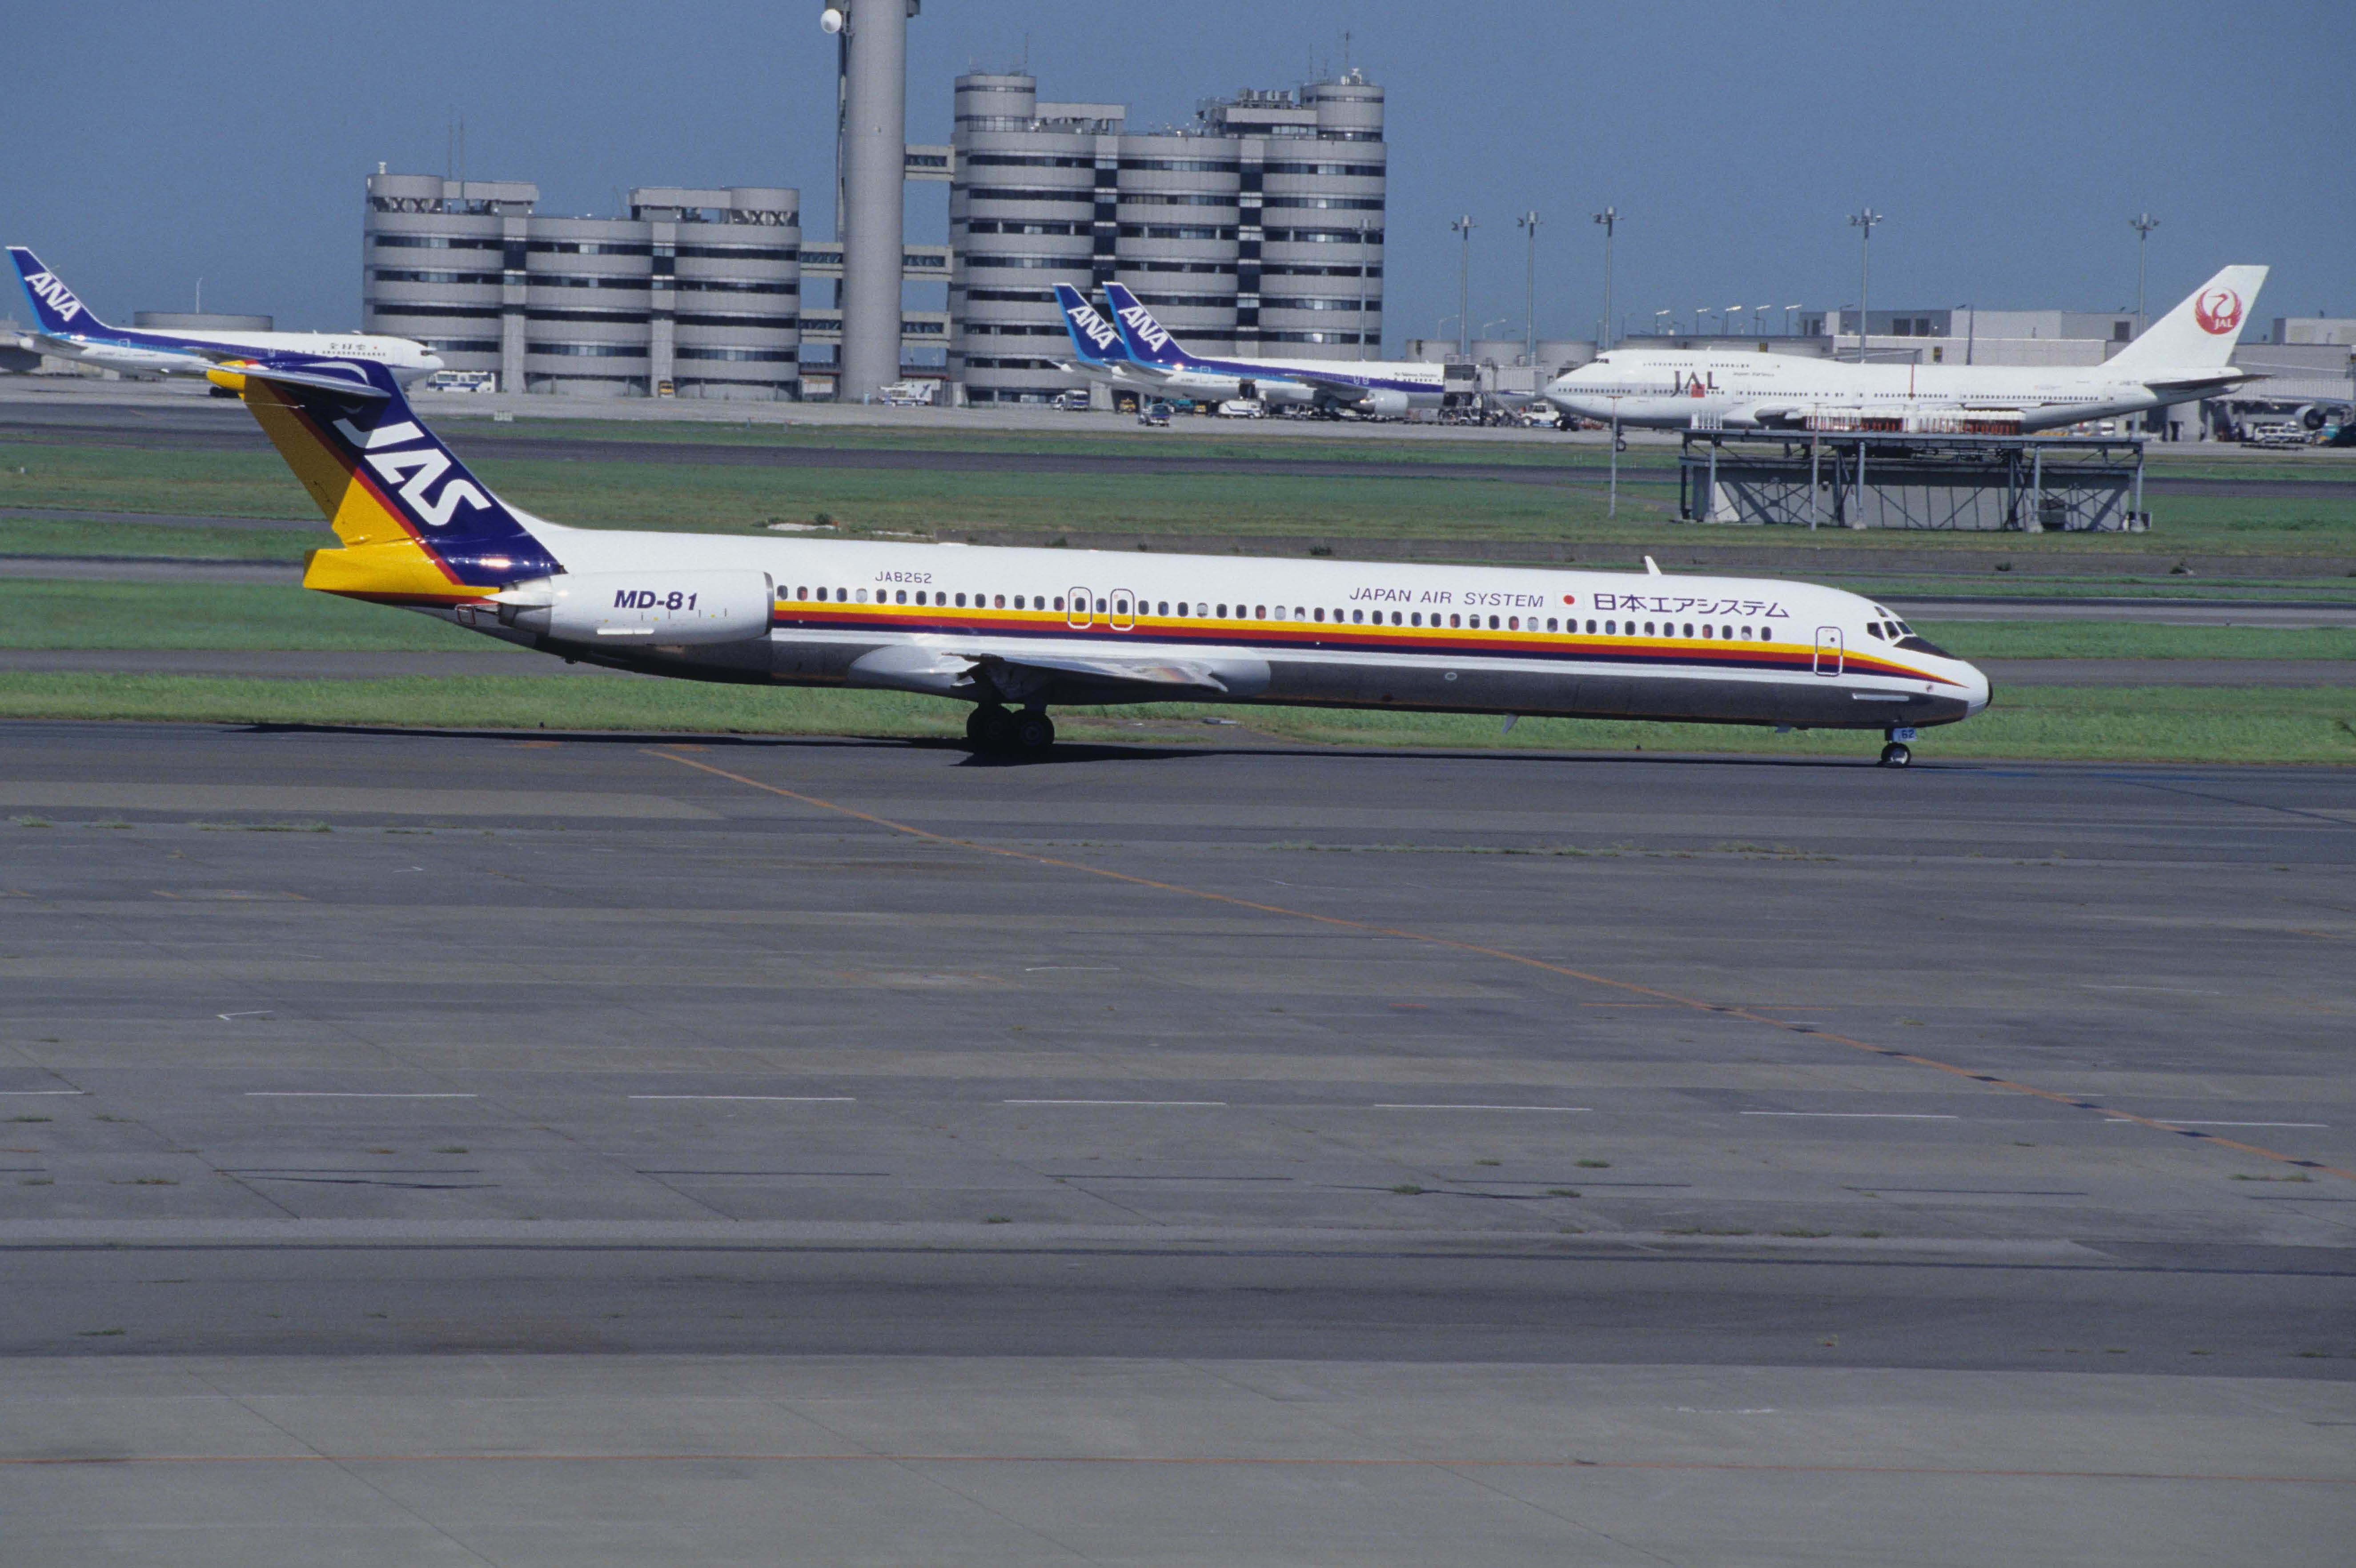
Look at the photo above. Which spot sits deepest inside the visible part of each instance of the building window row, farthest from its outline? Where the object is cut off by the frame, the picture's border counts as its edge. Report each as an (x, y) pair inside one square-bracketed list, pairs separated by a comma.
[(1312, 337), (977, 362), (1172, 198), (1283, 269), (1271, 302), (1008, 192), (613, 317), (1012, 296), (765, 323), (1024, 160), (1349, 203), (1172, 231), (1370, 236), (488, 312), (1183, 165), (1189, 302), (407, 275), (576, 281), (1130, 266), (1359, 171), (434, 242), (1060, 263), (763, 356), (743, 252), (1010, 329), (734, 286), (591, 350), (459, 345), (589, 247), (1022, 226)]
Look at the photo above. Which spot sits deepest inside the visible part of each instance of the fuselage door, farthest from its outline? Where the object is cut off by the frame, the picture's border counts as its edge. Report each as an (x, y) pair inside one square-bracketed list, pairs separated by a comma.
[(1829, 650), (1079, 615), (1124, 611)]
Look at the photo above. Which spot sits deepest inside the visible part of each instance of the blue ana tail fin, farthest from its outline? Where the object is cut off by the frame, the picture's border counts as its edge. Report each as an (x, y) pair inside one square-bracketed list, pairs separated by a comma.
[(55, 309), (1093, 338), (416, 525), (1148, 340)]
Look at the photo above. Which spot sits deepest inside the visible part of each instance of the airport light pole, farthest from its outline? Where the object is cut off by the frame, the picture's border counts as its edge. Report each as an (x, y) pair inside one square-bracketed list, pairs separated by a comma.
[(1610, 218), (1671, 328), (1789, 312), (2143, 223), (1733, 314), (1463, 226), (1529, 221), (1863, 221)]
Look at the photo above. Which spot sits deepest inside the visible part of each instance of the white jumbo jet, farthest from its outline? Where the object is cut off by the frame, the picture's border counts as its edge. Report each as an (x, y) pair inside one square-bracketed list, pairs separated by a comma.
[(2183, 357), (70, 330), (1011, 631)]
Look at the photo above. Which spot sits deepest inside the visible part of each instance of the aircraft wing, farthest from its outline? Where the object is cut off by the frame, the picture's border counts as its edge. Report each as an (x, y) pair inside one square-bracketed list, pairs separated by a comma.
[(330, 376), (945, 670), (2220, 380)]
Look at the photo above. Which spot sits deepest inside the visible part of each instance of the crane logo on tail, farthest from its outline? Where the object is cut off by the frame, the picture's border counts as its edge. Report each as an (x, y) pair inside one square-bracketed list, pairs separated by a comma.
[(2219, 312)]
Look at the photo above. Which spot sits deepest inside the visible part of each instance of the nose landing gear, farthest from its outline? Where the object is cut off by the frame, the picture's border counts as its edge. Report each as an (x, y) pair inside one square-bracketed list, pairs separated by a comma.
[(992, 729), (1895, 754)]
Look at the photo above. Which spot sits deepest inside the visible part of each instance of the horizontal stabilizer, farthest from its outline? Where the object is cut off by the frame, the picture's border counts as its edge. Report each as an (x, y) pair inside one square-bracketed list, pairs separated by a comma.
[(321, 376)]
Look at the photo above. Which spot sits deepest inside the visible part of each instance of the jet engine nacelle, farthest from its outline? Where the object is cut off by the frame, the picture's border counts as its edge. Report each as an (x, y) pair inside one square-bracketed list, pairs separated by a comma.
[(624, 608), (1383, 401), (2315, 416)]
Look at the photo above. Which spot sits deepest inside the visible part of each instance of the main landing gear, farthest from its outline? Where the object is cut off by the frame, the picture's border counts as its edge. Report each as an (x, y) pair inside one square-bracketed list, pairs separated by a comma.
[(990, 728), (1895, 754)]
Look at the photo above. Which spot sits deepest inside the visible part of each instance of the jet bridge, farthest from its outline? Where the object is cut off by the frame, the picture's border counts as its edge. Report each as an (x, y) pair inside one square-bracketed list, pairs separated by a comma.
[(2035, 484)]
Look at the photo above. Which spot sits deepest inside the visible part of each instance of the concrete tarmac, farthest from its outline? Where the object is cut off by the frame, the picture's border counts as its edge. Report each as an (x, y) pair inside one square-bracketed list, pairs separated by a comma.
[(523, 1147)]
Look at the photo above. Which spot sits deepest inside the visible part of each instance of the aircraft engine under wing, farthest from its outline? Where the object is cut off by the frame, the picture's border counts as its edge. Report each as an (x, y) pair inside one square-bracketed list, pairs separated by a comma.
[(1059, 677)]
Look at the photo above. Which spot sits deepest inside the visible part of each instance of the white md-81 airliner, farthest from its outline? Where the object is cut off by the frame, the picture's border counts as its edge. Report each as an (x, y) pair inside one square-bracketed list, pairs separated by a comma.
[(70, 330), (2182, 357), (1014, 631)]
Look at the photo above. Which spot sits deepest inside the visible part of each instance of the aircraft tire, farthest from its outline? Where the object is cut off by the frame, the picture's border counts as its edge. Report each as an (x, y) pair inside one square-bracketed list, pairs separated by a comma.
[(1896, 755), (1033, 733), (990, 728)]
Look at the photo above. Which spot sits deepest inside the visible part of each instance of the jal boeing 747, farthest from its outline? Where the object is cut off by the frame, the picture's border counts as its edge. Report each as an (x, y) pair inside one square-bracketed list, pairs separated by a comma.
[(1011, 632), (71, 330), (2183, 357)]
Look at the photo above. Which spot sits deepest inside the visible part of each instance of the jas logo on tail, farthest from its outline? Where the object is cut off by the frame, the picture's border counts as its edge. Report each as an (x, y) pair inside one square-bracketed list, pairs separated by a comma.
[(420, 466), (1141, 321), (50, 292), (2218, 311)]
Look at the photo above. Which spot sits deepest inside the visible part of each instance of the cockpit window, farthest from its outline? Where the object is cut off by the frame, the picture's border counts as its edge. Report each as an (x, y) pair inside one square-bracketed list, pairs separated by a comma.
[(1914, 645)]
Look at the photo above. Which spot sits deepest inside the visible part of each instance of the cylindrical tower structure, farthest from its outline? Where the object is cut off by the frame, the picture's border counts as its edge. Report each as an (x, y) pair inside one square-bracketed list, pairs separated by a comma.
[(874, 156)]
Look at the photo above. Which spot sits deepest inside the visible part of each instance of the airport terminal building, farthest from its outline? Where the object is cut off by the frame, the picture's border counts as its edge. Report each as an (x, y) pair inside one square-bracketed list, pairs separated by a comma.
[(696, 291), (1257, 228)]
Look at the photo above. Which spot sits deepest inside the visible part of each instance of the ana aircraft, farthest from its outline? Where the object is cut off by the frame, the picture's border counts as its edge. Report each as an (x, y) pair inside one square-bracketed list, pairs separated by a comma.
[(1328, 386), (2183, 357), (1097, 350), (71, 330), (1012, 631)]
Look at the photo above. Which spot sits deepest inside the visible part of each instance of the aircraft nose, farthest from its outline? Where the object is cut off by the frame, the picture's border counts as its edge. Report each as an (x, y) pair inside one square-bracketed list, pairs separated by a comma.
[(1978, 691), (430, 362)]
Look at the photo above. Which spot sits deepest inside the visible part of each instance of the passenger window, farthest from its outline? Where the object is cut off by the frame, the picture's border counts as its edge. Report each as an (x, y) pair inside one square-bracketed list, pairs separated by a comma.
[(1260, 611), (1100, 606), (1454, 621), (1512, 623), (1705, 632), (1417, 618), (1223, 611), (1358, 616), (1725, 633), (1493, 623), (1648, 628), (1590, 628), (1397, 619), (1318, 614), (1001, 602), (802, 592), (1550, 623), (1688, 628), (1059, 603), (1163, 608)]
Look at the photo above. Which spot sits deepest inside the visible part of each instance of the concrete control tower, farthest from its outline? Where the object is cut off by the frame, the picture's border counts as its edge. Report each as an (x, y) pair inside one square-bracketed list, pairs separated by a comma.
[(873, 148)]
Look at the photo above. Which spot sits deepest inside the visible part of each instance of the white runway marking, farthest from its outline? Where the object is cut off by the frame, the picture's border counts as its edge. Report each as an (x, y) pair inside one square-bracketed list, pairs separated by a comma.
[(348, 1094), (1864, 1116), (1565, 1110), (44, 1091), (1112, 1102), (2180, 1122), (775, 1099)]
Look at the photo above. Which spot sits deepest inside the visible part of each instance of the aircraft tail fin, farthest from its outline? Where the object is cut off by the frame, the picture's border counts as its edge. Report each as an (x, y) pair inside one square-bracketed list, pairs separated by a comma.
[(1147, 339), (55, 309), (1093, 338), (2201, 333), (416, 525)]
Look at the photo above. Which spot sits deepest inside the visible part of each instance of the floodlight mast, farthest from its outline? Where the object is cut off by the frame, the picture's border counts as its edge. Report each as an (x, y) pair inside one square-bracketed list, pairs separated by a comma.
[(1529, 221), (1610, 218), (2143, 223), (1863, 221), (1463, 226)]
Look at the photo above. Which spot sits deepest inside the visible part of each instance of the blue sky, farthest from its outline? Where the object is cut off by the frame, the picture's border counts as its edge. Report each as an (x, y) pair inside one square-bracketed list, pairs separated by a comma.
[(2008, 144)]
